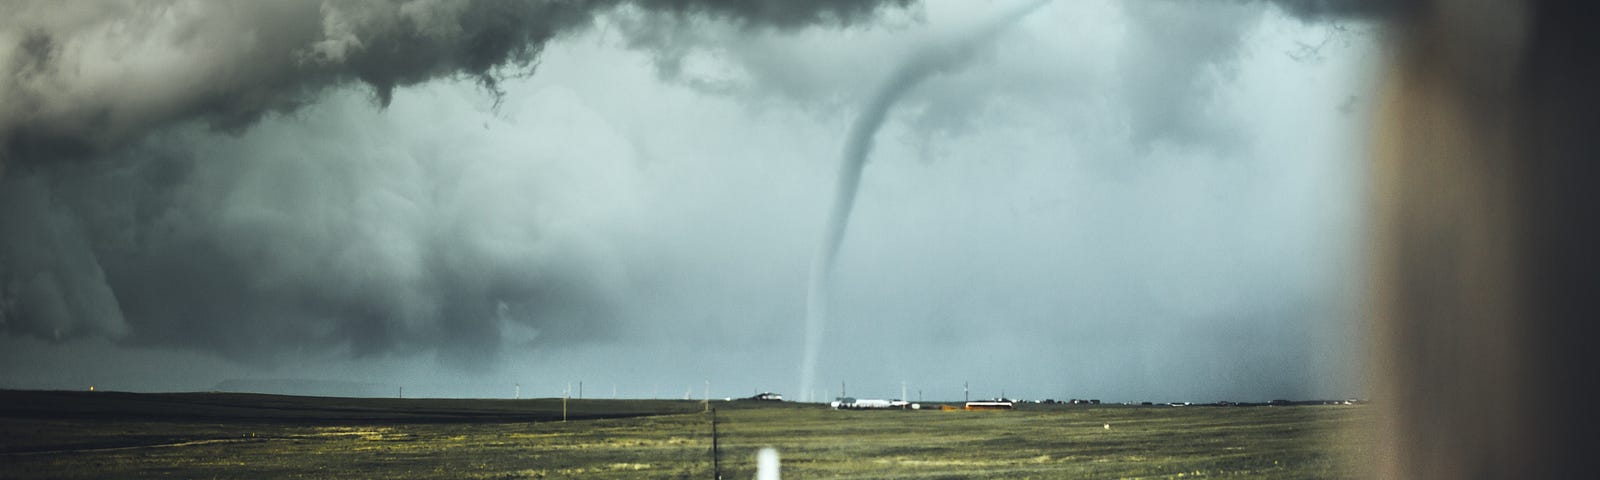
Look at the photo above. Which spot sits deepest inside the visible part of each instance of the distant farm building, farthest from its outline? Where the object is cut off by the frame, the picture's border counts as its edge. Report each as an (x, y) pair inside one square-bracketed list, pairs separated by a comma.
[(989, 405)]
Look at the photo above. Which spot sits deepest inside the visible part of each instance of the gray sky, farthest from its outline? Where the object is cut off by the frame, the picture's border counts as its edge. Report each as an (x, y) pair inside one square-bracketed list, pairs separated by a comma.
[(1117, 200)]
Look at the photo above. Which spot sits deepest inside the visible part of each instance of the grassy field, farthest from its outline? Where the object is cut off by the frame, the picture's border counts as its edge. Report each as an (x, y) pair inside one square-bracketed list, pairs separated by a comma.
[(107, 435)]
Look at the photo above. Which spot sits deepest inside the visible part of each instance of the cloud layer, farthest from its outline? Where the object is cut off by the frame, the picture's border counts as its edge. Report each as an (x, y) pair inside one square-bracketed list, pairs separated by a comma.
[(183, 242), (87, 78), (1136, 199)]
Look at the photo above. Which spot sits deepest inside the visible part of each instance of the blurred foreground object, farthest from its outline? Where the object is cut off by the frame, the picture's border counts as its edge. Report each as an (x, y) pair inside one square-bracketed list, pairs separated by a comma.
[(1485, 249), (767, 464)]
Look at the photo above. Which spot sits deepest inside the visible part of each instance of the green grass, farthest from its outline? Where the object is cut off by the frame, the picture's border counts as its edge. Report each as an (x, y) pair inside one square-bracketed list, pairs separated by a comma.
[(80, 435)]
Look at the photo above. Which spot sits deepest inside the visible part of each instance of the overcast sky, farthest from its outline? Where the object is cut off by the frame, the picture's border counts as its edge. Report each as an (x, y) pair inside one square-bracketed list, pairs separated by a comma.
[(1128, 201)]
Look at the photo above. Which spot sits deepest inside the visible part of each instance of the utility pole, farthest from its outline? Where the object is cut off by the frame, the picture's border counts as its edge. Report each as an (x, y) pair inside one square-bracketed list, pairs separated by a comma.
[(903, 391), (580, 389), (519, 392), (708, 399), (966, 393), (402, 392), (564, 394)]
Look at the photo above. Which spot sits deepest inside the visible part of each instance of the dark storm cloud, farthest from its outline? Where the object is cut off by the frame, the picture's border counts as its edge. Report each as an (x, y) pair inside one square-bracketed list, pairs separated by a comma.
[(256, 257), (776, 13), (1345, 9), (53, 288), (155, 234), (88, 77), (91, 77)]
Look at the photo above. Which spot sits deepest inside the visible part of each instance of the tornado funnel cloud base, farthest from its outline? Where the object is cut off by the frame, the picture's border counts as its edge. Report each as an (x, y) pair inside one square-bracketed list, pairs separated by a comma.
[(931, 58)]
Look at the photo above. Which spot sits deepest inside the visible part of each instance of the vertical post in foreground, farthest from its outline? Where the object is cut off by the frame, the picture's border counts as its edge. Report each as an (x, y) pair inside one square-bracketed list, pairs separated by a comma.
[(716, 454), (767, 464)]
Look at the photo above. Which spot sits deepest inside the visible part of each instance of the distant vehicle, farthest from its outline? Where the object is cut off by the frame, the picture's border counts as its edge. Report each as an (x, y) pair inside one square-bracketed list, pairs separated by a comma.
[(870, 403), (851, 403), (1278, 403), (767, 397), (996, 404)]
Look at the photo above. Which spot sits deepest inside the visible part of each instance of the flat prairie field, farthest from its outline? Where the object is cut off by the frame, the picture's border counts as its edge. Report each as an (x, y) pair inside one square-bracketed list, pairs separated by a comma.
[(245, 436)]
